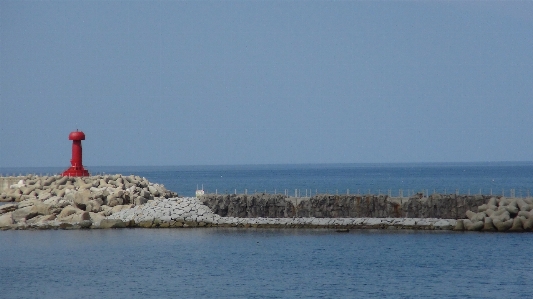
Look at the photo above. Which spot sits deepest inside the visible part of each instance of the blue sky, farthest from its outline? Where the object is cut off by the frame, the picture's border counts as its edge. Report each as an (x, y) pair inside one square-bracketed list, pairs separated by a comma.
[(259, 82)]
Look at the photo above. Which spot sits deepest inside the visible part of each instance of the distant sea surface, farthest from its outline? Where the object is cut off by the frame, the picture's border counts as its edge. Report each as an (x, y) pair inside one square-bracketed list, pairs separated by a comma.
[(464, 178), (263, 263), (280, 263)]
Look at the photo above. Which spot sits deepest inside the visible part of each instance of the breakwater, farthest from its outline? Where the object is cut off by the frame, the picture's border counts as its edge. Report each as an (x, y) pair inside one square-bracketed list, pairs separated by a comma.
[(116, 201), (448, 206)]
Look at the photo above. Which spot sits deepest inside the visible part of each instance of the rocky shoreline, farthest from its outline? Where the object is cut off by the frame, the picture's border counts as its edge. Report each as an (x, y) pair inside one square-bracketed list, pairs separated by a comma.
[(116, 201)]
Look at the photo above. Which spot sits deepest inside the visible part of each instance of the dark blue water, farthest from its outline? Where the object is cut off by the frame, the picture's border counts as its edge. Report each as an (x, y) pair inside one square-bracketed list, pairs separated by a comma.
[(464, 178), (263, 263), (291, 263)]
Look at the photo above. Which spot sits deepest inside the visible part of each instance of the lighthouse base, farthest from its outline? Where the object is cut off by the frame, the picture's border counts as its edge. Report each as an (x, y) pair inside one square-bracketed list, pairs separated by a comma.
[(76, 171)]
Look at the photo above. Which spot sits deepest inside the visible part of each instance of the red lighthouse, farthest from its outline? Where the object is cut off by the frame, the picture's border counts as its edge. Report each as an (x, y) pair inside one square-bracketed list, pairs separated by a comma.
[(77, 167)]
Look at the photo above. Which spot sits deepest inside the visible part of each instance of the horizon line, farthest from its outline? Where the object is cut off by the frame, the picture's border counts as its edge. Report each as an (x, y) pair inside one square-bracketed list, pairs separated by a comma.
[(290, 164)]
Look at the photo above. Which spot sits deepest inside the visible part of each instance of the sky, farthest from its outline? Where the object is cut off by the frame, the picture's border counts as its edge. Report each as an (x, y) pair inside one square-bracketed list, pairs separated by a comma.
[(265, 82)]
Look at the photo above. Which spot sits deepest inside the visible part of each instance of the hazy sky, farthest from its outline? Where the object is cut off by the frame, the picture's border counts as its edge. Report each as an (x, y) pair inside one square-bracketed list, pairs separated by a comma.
[(255, 82)]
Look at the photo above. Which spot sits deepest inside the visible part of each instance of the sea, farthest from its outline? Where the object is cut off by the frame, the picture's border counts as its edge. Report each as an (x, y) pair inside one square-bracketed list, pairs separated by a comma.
[(280, 263)]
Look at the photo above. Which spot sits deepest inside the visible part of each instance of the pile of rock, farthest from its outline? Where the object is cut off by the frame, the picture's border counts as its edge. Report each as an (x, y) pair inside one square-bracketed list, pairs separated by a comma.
[(190, 212), (500, 214), (169, 212), (116, 201), (51, 201)]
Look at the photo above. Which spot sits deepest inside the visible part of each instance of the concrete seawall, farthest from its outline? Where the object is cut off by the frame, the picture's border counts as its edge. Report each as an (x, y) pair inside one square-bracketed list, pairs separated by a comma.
[(449, 206)]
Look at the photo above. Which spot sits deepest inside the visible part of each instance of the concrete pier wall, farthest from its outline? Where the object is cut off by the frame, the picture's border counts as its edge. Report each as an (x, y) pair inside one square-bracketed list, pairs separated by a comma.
[(448, 206)]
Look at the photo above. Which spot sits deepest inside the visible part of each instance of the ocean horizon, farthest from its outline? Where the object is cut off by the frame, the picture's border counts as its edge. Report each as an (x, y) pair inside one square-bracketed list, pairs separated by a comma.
[(499, 178)]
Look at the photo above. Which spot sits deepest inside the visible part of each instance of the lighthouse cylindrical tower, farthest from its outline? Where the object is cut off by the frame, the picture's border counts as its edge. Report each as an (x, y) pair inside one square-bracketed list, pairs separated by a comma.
[(76, 168)]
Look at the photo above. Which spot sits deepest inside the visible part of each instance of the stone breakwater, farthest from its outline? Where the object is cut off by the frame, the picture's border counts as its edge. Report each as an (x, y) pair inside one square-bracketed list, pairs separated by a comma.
[(449, 206), (190, 212), (117, 201), (472, 213), (500, 214), (56, 201)]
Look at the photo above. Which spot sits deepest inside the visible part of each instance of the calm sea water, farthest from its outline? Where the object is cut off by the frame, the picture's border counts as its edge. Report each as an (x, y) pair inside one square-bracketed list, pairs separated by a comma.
[(263, 263), (269, 263), (473, 178)]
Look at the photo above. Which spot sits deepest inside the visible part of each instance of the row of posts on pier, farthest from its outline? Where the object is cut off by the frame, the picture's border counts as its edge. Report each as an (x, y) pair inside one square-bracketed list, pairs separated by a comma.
[(401, 193)]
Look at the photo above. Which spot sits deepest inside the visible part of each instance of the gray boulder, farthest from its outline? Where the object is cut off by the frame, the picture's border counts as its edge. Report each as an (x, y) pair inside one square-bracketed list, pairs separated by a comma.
[(112, 201), (502, 226), (502, 215), (488, 226), (153, 190), (24, 214), (503, 202), (145, 193), (68, 210), (475, 217), (528, 224), (82, 198), (140, 200), (459, 225), (6, 219), (44, 196), (112, 223), (525, 214), (85, 216), (45, 209), (473, 226), (517, 225), (512, 208), (482, 208), (8, 208), (93, 206), (85, 224), (522, 205)]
